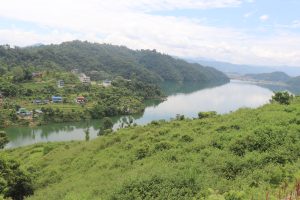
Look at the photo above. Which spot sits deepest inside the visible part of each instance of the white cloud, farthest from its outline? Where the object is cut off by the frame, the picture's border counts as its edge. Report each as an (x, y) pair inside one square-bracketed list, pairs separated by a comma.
[(130, 23), (264, 18)]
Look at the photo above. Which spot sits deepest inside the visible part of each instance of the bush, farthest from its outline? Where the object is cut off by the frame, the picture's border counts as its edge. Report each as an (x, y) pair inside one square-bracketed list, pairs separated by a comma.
[(282, 97), (3, 139), (107, 123), (234, 195), (161, 146), (202, 115), (186, 138), (158, 188), (14, 182), (142, 152)]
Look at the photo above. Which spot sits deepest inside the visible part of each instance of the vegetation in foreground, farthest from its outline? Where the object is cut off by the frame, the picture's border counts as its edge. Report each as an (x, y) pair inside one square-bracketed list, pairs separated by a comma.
[(248, 154)]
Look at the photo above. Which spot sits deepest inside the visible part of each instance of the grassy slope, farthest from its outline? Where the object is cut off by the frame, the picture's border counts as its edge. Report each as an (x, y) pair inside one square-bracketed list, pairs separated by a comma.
[(176, 160)]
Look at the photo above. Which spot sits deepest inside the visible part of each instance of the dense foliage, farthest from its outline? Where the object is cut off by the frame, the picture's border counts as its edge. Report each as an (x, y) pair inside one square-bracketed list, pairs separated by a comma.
[(102, 61), (15, 183), (238, 156), (282, 97), (3, 139)]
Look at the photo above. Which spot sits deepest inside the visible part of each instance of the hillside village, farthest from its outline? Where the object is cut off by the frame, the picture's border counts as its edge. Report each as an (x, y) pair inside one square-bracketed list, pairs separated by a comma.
[(70, 96), (83, 78)]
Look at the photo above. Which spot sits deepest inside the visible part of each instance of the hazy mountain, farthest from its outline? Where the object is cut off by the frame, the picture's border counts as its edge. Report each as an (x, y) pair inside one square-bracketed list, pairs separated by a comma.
[(246, 69), (273, 76)]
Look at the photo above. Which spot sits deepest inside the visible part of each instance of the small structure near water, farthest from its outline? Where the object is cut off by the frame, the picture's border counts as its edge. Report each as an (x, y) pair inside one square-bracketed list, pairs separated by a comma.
[(57, 99), (40, 102), (106, 83), (84, 79), (60, 84), (37, 75), (80, 100), (24, 112)]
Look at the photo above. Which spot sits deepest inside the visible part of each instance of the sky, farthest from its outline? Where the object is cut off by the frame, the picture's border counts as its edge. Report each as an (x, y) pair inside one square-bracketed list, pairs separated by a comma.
[(258, 32)]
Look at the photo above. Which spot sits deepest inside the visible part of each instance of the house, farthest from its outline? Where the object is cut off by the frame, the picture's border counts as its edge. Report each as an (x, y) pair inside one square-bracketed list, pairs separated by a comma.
[(37, 75), (84, 78), (39, 112), (40, 102), (106, 83), (60, 84), (37, 101), (24, 112), (57, 99), (80, 100)]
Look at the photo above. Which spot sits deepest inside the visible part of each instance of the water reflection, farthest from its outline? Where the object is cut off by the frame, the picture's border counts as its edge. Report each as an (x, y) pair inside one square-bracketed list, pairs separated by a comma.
[(186, 99)]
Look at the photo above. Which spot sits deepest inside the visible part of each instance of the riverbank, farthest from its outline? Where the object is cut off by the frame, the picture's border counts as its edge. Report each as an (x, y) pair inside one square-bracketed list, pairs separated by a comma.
[(222, 99)]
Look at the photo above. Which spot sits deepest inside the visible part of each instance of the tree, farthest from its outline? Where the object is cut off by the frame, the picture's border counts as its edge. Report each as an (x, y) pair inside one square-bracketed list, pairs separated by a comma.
[(107, 123), (3, 139), (14, 182), (282, 97)]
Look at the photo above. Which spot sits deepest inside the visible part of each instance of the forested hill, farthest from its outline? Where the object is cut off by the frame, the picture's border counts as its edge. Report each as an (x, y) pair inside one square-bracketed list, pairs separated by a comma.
[(274, 76), (102, 61)]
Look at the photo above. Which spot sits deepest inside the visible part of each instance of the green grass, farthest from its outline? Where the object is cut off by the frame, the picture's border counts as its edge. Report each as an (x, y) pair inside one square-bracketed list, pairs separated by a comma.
[(241, 155)]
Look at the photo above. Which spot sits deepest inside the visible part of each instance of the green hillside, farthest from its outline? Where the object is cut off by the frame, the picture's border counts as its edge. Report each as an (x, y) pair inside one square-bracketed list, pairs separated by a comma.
[(274, 76), (241, 155), (104, 61), (294, 84), (289, 83)]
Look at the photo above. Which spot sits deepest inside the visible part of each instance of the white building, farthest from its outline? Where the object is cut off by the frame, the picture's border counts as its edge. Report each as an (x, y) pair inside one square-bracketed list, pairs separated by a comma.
[(60, 84), (84, 78)]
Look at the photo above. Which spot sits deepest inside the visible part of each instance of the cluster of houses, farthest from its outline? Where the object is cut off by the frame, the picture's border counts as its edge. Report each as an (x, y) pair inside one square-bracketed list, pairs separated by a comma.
[(84, 79), (23, 112), (58, 99)]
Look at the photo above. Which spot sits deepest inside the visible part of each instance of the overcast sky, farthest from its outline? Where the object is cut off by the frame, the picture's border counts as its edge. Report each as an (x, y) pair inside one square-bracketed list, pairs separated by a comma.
[(264, 32)]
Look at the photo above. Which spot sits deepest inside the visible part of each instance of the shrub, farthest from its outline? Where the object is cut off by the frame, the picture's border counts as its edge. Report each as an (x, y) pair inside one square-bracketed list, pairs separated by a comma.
[(163, 146), (282, 97), (234, 195), (186, 138), (158, 188), (107, 123), (142, 152), (3, 139), (202, 115), (14, 182)]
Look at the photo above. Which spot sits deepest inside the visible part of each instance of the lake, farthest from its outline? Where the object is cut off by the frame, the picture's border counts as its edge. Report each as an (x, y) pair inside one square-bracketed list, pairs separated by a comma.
[(184, 99)]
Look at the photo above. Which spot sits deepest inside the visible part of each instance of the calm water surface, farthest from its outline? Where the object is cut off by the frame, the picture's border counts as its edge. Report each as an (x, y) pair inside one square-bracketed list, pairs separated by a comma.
[(186, 99)]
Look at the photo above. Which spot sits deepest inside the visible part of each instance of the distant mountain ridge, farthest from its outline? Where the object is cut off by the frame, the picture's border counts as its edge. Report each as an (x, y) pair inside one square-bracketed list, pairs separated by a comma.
[(102, 61), (273, 76), (247, 69)]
